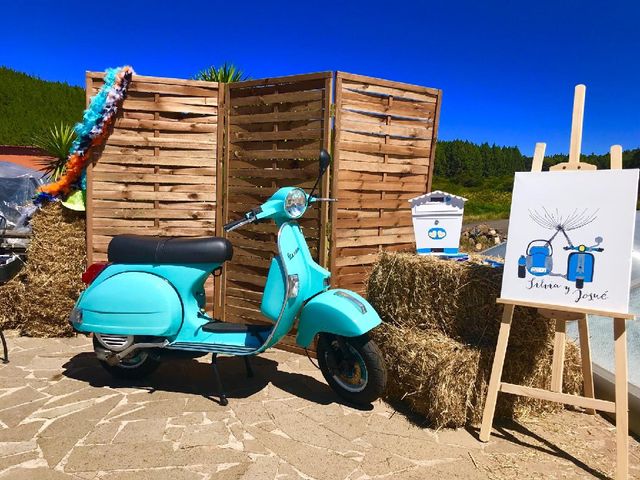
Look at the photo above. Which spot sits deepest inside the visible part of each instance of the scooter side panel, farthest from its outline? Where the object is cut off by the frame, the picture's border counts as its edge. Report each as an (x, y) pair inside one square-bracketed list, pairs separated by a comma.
[(274, 290), (338, 311), (131, 303)]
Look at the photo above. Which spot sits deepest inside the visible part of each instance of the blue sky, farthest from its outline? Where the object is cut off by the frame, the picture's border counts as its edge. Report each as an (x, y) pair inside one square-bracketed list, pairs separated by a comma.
[(507, 69)]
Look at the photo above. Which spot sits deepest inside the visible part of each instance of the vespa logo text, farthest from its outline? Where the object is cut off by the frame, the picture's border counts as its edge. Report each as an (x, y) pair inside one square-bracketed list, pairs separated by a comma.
[(295, 252)]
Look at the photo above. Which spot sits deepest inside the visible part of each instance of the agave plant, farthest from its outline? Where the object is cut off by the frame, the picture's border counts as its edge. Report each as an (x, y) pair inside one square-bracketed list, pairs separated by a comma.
[(57, 143), (226, 73)]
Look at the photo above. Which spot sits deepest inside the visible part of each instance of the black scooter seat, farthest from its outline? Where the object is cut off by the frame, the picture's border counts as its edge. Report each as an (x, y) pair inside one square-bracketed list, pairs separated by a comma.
[(140, 249)]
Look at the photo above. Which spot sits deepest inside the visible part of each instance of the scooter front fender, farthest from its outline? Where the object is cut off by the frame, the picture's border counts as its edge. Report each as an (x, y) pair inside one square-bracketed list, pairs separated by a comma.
[(339, 311)]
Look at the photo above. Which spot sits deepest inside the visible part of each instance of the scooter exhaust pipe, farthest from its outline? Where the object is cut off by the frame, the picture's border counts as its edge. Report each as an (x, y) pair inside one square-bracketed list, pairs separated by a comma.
[(114, 358)]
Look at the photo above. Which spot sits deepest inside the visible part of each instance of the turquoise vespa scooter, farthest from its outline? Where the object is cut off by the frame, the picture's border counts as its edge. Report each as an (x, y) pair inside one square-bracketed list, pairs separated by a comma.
[(147, 304)]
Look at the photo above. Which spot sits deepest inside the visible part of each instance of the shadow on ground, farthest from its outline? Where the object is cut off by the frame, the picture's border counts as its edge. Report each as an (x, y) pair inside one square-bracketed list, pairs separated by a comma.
[(193, 377), (507, 429)]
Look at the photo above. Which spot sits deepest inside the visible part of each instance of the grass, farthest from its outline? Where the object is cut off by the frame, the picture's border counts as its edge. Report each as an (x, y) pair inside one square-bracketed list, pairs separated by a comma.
[(488, 198)]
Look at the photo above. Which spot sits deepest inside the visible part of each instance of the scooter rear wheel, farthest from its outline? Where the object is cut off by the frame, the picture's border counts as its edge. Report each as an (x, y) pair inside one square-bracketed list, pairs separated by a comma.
[(353, 367), (136, 367)]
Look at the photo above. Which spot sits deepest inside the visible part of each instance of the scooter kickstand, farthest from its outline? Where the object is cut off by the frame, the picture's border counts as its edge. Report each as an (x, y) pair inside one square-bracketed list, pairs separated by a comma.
[(216, 377), (247, 364)]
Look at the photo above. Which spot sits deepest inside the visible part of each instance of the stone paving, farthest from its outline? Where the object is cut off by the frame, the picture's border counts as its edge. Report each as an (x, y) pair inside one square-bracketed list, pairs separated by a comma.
[(63, 417)]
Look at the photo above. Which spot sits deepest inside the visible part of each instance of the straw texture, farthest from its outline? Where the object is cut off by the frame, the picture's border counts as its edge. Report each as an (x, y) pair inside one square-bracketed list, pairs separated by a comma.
[(439, 334), (38, 301)]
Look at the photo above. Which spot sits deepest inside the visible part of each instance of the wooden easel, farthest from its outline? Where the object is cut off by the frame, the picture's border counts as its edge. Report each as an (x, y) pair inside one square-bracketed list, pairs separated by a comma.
[(561, 315)]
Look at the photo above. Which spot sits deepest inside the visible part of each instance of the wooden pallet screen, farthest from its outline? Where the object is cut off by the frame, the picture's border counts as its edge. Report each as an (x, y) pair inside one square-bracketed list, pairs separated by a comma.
[(182, 150), (385, 134), (157, 172), (276, 128)]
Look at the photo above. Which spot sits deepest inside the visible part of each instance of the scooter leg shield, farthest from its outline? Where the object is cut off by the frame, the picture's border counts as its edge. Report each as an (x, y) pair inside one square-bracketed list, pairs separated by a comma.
[(338, 311), (130, 303)]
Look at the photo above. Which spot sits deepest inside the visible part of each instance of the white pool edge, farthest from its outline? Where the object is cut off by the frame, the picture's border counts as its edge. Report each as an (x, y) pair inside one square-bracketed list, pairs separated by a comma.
[(604, 383)]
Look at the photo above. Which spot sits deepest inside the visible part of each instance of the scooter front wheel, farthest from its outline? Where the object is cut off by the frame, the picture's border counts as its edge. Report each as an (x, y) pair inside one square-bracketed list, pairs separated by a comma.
[(353, 367), (134, 367)]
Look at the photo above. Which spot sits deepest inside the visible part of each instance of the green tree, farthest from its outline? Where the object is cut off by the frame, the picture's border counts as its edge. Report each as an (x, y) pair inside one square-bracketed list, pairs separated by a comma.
[(29, 106)]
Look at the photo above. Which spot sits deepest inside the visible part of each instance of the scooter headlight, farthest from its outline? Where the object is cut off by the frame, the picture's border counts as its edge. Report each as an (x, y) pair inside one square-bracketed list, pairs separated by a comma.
[(295, 203)]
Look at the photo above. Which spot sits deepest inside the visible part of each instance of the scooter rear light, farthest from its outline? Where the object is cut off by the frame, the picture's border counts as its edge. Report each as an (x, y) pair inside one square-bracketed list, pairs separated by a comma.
[(93, 271)]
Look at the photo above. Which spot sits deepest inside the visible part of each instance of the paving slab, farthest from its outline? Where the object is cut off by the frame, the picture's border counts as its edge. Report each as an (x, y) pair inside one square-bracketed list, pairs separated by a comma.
[(63, 417)]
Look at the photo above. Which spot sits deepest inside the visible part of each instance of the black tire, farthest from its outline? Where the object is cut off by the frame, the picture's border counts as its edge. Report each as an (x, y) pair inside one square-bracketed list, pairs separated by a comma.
[(332, 362), (522, 271), (579, 283), (135, 368)]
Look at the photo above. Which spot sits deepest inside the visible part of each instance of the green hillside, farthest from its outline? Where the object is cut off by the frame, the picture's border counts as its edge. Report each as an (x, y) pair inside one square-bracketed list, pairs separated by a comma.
[(29, 105), (484, 173)]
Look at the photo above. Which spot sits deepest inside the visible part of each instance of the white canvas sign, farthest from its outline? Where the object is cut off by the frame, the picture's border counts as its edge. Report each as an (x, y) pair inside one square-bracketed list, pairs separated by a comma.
[(571, 238)]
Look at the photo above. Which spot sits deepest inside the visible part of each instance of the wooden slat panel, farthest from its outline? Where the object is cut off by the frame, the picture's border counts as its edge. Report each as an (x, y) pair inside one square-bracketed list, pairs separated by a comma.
[(276, 131), (384, 149), (160, 161), (422, 131), (152, 178), (244, 136), (140, 141), (98, 76), (168, 106), (275, 117), (283, 98), (385, 133), (370, 103), (174, 126), (392, 87), (157, 172)]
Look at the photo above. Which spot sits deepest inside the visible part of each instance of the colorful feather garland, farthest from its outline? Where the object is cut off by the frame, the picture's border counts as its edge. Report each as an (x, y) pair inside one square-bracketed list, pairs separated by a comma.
[(97, 121)]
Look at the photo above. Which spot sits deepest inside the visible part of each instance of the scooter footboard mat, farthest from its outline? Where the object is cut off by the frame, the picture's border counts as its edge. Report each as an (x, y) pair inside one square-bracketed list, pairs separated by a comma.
[(212, 348), (226, 327)]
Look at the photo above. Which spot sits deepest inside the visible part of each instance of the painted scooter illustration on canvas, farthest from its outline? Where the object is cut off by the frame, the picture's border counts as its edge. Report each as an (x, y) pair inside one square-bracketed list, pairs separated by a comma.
[(538, 259)]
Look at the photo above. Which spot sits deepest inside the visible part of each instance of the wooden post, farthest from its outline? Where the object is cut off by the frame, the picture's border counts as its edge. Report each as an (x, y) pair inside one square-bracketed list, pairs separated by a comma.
[(89, 193), (226, 164), (557, 366), (434, 141), (334, 179), (576, 124), (616, 156), (585, 358), (496, 373), (324, 186), (538, 157), (218, 283), (622, 398)]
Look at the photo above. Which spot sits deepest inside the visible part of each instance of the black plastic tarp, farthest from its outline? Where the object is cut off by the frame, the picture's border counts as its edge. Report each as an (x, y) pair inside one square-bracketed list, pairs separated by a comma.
[(18, 186)]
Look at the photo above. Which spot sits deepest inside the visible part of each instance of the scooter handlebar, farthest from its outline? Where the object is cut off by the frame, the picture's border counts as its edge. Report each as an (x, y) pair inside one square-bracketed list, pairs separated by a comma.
[(322, 199), (588, 249), (229, 227)]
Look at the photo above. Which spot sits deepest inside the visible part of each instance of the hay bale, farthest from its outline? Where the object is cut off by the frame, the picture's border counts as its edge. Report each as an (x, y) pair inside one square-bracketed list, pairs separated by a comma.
[(37, 302), (439, 336)]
